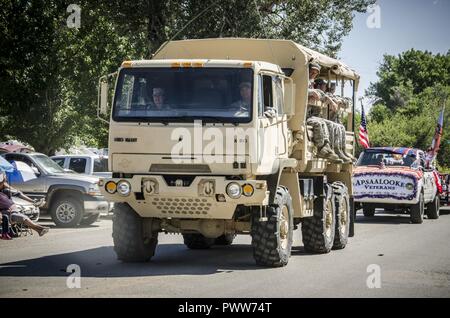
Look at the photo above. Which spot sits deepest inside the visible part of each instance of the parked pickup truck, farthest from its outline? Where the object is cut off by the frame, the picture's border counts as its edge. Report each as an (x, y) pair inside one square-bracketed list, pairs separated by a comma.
[(71, 199), (86, 164), (396, 178)]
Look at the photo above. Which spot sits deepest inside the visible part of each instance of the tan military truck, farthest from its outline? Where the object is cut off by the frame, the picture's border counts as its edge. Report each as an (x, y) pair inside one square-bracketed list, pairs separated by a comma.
[(209, 139)]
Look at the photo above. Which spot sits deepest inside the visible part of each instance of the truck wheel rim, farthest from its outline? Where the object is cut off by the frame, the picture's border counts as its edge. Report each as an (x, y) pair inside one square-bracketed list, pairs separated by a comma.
[(284, 227), (343, 219), (65, 212), (328, 219)]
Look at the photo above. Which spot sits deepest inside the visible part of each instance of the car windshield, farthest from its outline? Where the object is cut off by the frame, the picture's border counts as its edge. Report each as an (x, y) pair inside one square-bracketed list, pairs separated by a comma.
[(48, 164), (388, 158), (184, 94)]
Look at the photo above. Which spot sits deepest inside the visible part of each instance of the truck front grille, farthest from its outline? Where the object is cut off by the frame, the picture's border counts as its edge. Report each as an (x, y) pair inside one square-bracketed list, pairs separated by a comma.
[(179, 206)]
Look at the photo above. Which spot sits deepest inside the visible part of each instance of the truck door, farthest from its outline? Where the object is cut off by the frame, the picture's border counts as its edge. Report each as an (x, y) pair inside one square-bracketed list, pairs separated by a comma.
[(272, 127), (267, 125), (429, 186)]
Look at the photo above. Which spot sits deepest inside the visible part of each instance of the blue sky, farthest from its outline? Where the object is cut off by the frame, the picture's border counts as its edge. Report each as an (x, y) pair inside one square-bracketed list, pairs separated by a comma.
[(404, 24)]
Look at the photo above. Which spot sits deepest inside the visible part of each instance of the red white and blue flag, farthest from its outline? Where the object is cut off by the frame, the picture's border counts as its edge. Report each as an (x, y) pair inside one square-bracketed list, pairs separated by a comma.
[(363, 133)]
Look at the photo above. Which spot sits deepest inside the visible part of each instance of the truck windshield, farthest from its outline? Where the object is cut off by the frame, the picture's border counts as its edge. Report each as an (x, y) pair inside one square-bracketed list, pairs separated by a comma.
[(184, 95), (376, 157)]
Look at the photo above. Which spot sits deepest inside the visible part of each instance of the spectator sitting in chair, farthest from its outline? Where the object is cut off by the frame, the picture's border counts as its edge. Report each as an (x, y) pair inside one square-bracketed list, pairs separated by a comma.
[(8, 208)]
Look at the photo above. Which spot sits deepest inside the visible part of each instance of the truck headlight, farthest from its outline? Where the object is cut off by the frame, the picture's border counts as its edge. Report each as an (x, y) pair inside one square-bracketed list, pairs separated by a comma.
[(234, 190), (123, 188)]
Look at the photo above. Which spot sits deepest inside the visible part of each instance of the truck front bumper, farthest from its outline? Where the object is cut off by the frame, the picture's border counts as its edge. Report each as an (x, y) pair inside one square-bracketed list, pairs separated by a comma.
[(204, 197)]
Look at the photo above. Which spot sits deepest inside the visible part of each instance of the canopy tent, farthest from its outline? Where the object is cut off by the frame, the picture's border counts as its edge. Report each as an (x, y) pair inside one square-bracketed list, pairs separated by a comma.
[(21, 172)]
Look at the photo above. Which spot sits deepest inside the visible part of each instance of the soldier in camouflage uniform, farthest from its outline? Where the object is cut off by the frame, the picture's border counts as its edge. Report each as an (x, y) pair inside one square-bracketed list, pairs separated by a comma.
[(328, 136), (342, 104), (321, 133)]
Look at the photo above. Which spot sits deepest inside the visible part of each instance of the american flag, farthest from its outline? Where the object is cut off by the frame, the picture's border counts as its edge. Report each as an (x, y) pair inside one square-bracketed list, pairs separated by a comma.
[(363, 133)]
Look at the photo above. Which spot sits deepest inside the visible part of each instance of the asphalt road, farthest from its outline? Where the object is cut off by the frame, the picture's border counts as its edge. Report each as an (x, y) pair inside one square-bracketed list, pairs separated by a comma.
[(414, 260)]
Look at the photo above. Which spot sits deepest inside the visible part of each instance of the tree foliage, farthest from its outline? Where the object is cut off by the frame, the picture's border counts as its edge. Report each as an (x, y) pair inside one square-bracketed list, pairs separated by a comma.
[(49, 72), (411, 91), (409, 73)]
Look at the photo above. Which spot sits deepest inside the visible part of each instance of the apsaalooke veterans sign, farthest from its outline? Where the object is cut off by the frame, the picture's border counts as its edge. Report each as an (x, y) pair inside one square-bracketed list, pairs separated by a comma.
[(399, 186)]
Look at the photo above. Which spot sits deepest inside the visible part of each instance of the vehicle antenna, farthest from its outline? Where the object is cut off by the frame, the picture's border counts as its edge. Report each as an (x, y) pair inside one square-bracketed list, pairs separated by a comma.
[(265, 31), (184, 28)]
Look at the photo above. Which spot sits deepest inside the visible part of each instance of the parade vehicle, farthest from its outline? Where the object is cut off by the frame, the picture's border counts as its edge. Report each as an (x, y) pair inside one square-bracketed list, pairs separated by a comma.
[(396, 179), (206, 166)]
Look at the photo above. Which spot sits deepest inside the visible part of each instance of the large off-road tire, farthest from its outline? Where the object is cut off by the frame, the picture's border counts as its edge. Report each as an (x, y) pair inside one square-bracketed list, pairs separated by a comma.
[(368, 211), (272, 239), (130, 244), (433, 208), (318, 231), (91, 219), (417, 211), (67, 211), (225, 239), (342, 207), (197, 241)]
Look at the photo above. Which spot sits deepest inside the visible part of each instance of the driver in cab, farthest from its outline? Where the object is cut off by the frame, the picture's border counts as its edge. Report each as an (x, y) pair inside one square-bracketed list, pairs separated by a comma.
[(242, 106)]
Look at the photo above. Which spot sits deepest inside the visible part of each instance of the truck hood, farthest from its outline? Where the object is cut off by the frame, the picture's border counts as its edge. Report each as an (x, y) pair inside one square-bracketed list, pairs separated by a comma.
[(398, 183)]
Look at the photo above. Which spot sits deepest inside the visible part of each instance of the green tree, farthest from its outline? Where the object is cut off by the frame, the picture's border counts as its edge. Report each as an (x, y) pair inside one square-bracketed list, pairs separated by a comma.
[(410, 92), (414, 124), (317, 24), (409, 72)]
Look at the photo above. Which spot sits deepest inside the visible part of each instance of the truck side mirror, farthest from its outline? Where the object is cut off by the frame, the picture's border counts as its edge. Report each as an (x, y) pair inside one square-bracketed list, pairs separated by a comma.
[(103, 97), (289, 97), (103, 93)]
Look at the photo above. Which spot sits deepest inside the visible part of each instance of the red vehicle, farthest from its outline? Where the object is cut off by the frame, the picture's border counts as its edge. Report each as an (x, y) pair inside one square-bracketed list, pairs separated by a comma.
[(445, 195)]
